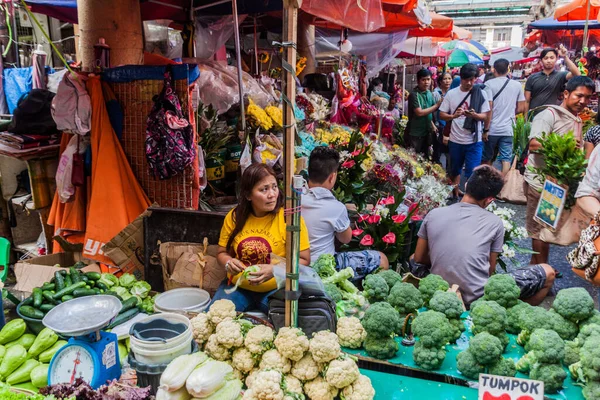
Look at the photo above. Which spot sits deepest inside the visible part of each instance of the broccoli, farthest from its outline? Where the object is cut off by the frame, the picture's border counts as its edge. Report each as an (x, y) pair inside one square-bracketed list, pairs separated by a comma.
[(526, 362), (531, 319), (467, 365), (513, 316), (458, 327), (502, 289), (590, 358), (588, 331), (591, 391), (391, 277), (546, 346), (375, 288), (503, 367), (447, 303), (428, 358), (405, 298), (566, 329), (431, 284), (333, 291), (339, 276), (572, 348), (488, 316), (574, 304), (504, 339), (486, 348), (381, 320), (594, 319), (433, 329), (382, 348), (325, 265), (553, 376)]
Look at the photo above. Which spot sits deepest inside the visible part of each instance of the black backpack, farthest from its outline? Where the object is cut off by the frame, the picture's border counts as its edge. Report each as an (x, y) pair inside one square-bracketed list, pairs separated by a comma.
[(315, 313), (33, 114)]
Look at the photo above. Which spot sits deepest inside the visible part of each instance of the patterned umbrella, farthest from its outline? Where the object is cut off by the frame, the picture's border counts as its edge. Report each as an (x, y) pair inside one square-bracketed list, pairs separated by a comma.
[(453, 45), (480, 47), (460, 57)]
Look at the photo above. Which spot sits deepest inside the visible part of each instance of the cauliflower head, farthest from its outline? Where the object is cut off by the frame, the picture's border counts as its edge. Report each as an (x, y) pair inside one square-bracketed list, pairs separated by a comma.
[(503, 367), (292, 343), (291, 384), (259, 339), (220, 310), (214, 349), (274, 360), (382, 348), (553, 376), (381, 320), (267, 386), (428, 358), (488, 316), (229, 334), (319, 389), (405, 298), (324, 346), (431, 284), (360, 389), (467, 365), (486, 348), (391, 277), (341, 372), (546, 346), (251, 376), (502, 289), (306, 368), (513, 316), (202, 328), (433, 329), (574, 304), (375, 288), (447, 303), (242, 359), (350, 332)]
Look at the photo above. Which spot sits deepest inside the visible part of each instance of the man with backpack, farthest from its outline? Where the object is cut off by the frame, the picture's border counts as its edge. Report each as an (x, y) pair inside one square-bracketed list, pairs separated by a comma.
[(506, 99)]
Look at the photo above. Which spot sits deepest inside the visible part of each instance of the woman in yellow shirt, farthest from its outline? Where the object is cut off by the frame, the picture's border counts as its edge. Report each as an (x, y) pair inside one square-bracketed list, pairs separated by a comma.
[(251, 232)]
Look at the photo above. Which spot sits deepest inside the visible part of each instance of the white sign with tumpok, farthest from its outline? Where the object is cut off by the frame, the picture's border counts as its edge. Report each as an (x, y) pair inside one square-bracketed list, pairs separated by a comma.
[(493, 387)]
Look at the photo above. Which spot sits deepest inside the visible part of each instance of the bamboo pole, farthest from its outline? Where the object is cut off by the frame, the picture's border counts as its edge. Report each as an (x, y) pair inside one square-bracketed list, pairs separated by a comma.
[(586, 27)]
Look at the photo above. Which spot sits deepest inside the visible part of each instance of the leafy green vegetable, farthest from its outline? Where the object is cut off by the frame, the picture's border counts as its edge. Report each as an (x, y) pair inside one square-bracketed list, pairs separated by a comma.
[(109, 280), (122, 292), (127, 280), (243, 277), (141, 289), (325, 265)]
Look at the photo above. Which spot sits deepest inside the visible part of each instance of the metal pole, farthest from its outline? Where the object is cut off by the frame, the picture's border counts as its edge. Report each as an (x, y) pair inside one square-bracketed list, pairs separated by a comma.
[(585, 28), (255, 48), (403, 86), (15, 38), (238, 55)]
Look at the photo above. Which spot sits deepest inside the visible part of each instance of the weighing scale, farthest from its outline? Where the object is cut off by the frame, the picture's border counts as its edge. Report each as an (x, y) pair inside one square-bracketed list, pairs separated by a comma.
[(90, 354)]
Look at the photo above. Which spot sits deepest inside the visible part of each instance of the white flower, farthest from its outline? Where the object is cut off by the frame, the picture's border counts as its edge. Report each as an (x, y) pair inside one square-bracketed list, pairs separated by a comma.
[(385, 212)]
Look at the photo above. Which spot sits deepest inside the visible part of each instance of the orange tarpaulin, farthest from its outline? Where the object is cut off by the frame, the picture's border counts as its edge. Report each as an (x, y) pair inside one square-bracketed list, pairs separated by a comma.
[(577, 10), (116, 197), (441, 26), (461, 33)]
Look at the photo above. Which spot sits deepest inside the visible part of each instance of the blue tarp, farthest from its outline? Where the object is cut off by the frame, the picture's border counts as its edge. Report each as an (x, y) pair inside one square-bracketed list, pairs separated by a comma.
[(130, 73), (17, 82), (552, 24)]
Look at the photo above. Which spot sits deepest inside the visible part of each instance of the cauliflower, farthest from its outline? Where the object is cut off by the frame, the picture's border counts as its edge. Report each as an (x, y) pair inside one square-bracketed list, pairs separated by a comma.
[(375, 288), (274, 360), (243, 360), (391, 277), (428, 358), (486, 348), (513, 316), (266, 385), (488, 316), (405, 298), (259, 339), (306, 368), (546, 346), (251, 376), (237, 374), (342, 372), (447, 303), (574, 304), (468, 365), (381, 320), (431, 284), (292, 384), (324, 346), (229, 334), (292, 343), (503, 367), (502, 289), (319, 389), (202, 328), (433, 329), (360, 389), (220, 310), (383, 348), (215, 350), (350, 332), (553, 376)]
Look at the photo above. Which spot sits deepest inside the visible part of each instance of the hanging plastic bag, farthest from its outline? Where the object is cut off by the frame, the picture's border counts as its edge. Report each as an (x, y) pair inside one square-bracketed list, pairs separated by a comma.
[(64, 185), (310, 284), (202, 169), (265, 152), (246, 157)]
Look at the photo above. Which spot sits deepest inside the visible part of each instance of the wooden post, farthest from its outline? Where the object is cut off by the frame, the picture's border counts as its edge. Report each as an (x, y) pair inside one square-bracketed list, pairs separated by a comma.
[(307, 48), (292, 245)]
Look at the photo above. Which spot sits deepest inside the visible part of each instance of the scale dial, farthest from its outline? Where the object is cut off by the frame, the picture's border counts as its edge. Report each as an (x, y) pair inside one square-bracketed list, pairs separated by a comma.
[(71, 363)]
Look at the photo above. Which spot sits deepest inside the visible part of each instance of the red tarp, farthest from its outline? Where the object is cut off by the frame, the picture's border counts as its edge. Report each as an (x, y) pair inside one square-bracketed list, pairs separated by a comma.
[(577, 10)]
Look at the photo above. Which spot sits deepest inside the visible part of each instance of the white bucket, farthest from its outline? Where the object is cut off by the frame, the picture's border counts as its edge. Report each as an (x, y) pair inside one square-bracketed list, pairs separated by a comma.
[(162, 356), (182, 300)]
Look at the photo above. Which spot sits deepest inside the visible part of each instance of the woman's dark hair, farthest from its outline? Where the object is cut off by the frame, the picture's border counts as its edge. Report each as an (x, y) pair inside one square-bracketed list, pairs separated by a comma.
[(485, 182), (441, 77), (547, 50), (251, 177), (423, 73), (323, 162), (468, 71)]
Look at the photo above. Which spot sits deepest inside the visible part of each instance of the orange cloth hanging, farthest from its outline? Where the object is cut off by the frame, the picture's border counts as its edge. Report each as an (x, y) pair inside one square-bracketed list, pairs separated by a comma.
[(116, 196)]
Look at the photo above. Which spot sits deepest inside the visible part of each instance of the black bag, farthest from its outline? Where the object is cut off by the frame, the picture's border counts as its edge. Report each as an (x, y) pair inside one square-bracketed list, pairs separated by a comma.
[(315, 313), (33, 114)]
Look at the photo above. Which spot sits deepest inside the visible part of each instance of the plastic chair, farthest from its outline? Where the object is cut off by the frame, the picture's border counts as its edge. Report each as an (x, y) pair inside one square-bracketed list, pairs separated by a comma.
[(4, 257)]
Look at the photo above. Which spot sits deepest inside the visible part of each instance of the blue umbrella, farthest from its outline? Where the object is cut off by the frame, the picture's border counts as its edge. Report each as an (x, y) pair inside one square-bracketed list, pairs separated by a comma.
[(479, 46), (460, 57)]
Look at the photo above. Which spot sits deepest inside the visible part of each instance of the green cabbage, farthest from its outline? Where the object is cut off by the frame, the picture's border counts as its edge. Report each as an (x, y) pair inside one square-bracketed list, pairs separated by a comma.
[(109, 279), (127, 280), (122, 292), (140, 289)]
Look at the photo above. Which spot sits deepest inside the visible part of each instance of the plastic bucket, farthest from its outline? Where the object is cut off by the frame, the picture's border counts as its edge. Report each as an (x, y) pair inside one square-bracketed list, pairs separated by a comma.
[(160, 356), (215, 168), (232, 160), (184, 337), (182, 300)]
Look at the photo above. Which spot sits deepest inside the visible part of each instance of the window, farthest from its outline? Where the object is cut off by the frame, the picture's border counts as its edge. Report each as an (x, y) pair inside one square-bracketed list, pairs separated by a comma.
[(502, 36)]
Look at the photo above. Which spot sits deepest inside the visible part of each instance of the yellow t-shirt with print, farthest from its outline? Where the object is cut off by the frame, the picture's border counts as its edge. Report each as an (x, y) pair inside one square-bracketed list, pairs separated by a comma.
[(258, 239)]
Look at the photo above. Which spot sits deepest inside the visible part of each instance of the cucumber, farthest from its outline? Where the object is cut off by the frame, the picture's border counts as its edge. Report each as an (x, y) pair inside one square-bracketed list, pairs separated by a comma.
[(83, 292), (74, 275), (31, 312), (68, 290), (128, 304), (59, 281), (37, 297), (48, 297), (96, 290), (68, 280), (126, 316), (66, 297), (48, 286), (28, 301), (63, 272), (84, 278), (46, 307), (93, 275), (114, 294), (101, 286), (91, 283)]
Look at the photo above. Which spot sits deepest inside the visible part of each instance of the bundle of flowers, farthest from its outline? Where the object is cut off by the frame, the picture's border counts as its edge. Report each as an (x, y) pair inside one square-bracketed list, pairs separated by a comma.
[(512, 233), (315, 106), (429, 192), (334, 135), (304, 104), (276, 115), (257, 117)]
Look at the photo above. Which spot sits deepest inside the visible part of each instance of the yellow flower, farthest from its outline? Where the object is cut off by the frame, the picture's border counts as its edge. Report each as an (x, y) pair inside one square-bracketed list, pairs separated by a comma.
[(367, 164), (258, 117), (419, 172), (276, 115)]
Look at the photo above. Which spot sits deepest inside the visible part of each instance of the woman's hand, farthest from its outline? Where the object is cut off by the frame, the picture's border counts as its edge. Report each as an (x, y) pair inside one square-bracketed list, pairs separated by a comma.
[(235, 266), (265, 273)]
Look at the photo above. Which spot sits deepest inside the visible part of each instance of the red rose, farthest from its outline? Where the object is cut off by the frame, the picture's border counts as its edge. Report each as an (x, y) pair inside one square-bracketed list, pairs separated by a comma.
[(386, 201), (398, 219), (374, 219), (348, 164), (367, 240), (362, 218), (357, 232), (390, 238)]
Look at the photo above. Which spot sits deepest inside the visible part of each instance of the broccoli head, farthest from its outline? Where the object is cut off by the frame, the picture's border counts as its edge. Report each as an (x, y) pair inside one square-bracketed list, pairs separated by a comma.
[(447, 303), (431, 284), (488, 316), (572, 348), (502, 289), (566, 329), (405, 298), (504, 339), (375, 288), (594, 319), (588, 331), (428, 358), (382, 348), (574, 304), (333, 291), (458, 327), (486, 348), (526, 362), (591, 391), (503, 367), (590, 358), (433, 329), (468, 366), (513, 316), (553, 376), (325, 265), (381, 320), (531, 319), (391, 277), (547, 346)]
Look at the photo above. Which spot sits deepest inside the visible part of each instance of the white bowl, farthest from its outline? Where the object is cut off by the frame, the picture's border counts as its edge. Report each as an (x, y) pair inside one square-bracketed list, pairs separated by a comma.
[(182, 300)]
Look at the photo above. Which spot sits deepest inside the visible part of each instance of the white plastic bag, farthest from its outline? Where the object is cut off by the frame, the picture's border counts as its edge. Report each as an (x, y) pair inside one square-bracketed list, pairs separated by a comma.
[(310, 284), (64, 187), (246, 157)]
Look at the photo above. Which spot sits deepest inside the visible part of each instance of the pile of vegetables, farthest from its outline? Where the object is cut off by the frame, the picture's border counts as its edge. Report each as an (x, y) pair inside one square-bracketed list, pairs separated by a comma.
[(270, 366), (81, 390), (484, 355), (7, 394)]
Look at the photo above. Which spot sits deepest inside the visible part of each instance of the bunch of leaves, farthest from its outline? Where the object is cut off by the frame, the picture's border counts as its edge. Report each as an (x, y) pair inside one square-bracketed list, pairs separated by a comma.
[(210, 138), (564, 162), (521, 131)]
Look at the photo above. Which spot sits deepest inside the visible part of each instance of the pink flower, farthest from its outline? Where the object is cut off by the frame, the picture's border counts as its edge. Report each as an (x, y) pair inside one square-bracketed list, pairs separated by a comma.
[(367, 240), (374, 219), (386, 201), (414, 207), (398, 219), (357, 232), (355, 153), (362, 218), (416, 218), (390, 238), (348, 164)]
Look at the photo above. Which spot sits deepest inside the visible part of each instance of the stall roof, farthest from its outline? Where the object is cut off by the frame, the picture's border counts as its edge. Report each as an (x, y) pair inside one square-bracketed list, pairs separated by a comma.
[(552, 24)]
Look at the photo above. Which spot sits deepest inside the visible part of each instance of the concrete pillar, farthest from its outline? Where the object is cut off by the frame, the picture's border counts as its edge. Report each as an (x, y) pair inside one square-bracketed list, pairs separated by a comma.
[(118, 22), (306, 47)]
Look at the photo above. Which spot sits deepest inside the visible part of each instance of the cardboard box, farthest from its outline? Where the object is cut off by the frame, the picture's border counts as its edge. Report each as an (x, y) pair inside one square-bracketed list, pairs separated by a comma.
[(34, 272)]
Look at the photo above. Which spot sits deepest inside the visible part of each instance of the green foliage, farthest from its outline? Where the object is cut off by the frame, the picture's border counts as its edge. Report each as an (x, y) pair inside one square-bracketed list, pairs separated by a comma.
[(546, 346), (502, 289), (574, 304), (405, 298), (521, 131), (375, 288), (428, 358), (431, 284), (381, 320), (382, 348)]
